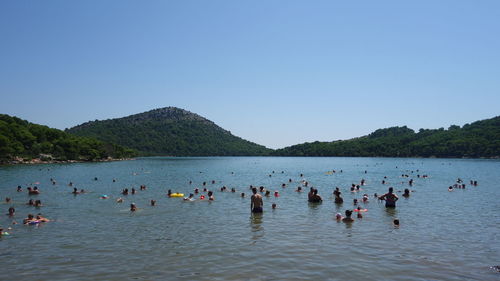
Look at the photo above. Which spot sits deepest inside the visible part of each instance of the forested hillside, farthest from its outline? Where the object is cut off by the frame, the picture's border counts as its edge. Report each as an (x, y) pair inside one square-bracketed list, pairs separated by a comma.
[(169, 131), (22, 139), (479, 139)]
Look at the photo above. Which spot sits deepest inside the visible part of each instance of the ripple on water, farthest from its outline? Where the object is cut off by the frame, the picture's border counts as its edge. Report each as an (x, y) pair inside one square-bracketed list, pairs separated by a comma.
[(443, 235)]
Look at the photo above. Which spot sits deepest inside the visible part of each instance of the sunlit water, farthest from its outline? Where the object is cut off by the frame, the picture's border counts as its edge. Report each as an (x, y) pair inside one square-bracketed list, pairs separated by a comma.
[(443, 235)]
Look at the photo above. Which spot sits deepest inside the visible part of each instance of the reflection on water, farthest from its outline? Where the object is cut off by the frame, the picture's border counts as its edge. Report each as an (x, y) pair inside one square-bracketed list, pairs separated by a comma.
[(391, 212), (256, 226), (348, 225)]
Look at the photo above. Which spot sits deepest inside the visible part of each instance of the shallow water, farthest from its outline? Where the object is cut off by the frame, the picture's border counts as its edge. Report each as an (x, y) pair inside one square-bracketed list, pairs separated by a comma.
[(443, 235)]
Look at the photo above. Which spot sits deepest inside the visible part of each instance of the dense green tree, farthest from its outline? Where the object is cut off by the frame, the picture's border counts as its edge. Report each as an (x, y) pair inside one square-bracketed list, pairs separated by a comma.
[(479, 139), (20, 138), (169, 131)]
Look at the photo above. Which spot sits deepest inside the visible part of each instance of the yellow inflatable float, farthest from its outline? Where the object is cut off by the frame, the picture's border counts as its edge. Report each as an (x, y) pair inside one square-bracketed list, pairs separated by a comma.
[(176, 195)]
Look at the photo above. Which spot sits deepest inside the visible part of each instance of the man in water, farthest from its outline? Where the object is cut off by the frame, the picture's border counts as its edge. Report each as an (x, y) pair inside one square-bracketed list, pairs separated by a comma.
[(256, 202), (390, 198)]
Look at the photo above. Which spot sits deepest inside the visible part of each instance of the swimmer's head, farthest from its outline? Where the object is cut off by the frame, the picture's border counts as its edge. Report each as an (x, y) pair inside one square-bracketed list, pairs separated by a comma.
[(396, 222), (273, 206), (348, 213), (338, 216)]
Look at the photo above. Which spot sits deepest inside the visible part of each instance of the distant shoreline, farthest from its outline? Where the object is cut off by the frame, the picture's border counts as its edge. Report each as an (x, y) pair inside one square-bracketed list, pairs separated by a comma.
[(37, 161)]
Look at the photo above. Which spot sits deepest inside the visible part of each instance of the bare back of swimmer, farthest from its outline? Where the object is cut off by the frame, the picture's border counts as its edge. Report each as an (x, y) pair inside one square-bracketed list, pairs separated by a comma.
[(256, 202)]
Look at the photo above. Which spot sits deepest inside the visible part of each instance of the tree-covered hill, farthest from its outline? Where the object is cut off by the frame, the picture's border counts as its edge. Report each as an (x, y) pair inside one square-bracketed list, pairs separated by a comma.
[(22, 139), (479, 139), (169, 131)]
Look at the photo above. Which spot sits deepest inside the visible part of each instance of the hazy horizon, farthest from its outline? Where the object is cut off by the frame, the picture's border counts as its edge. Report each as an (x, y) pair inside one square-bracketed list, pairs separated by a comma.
[(275, 73)]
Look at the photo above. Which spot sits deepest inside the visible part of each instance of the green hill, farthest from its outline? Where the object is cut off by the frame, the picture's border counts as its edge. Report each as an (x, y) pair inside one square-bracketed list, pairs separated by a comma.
[(479, 139), (22, 139), (169, 131)]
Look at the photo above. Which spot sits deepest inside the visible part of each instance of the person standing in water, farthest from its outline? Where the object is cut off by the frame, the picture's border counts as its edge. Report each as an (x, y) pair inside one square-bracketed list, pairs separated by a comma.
[(390, 198), (256, 202)]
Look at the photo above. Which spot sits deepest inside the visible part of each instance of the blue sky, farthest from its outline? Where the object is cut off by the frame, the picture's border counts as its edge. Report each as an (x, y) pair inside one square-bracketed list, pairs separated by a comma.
[(274, 72)]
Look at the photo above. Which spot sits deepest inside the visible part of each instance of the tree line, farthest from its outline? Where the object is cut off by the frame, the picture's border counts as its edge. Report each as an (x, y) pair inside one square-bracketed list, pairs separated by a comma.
[(475, 140), (20, 138)]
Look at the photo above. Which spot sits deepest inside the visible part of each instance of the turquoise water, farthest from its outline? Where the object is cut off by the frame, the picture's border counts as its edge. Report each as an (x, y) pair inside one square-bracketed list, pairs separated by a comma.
[(443, 235)]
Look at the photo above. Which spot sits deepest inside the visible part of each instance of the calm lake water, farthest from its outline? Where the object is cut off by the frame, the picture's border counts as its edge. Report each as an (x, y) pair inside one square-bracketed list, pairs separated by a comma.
[(443, 235)]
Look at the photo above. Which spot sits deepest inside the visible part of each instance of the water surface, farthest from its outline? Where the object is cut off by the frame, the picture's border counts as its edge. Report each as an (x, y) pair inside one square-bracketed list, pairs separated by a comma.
[(443, 235)]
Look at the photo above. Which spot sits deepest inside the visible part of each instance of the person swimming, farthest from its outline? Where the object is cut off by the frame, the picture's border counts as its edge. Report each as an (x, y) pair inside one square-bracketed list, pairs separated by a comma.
[(29, 219), (315, 198), (310, 194), (338, 217), (133, 208), (256, 202), (365, 198), (12, 212), (153, 202), (390, 198), (348, 218), (33, 191), (211, 196), (406, 193), (190, 198), (41, 219)]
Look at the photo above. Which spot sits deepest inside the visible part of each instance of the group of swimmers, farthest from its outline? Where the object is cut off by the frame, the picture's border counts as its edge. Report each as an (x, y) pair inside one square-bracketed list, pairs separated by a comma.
[(256, 200), (461, 185)]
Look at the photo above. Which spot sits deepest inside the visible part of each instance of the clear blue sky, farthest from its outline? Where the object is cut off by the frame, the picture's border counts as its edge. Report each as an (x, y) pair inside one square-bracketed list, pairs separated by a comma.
[(274, 72)]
